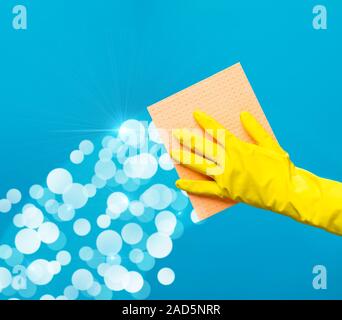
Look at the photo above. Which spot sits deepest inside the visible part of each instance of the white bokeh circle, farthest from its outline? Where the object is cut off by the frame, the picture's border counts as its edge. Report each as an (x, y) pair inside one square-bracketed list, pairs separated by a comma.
[(166, 276), (159, 245), (27, 241), (58, 180)]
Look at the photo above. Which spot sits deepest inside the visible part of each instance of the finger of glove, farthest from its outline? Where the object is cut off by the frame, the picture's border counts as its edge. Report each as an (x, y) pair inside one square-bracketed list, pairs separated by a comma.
[(200, 187), (258, 133), (202, 146), (212, 127), (194, 161)]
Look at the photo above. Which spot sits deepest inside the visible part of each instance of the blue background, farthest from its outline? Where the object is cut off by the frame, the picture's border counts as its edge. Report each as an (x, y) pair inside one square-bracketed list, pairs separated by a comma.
[(89, 65)]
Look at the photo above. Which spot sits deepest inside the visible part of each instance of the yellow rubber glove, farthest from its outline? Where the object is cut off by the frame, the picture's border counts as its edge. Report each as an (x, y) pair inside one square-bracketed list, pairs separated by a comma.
[(261, 174)]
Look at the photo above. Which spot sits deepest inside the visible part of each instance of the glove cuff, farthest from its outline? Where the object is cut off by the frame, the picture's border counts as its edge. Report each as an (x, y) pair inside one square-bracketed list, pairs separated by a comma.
[(316, 201)]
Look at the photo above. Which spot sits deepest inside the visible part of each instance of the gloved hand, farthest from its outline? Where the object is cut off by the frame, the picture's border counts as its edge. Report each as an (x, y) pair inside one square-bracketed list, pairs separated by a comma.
[(261, 174)]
